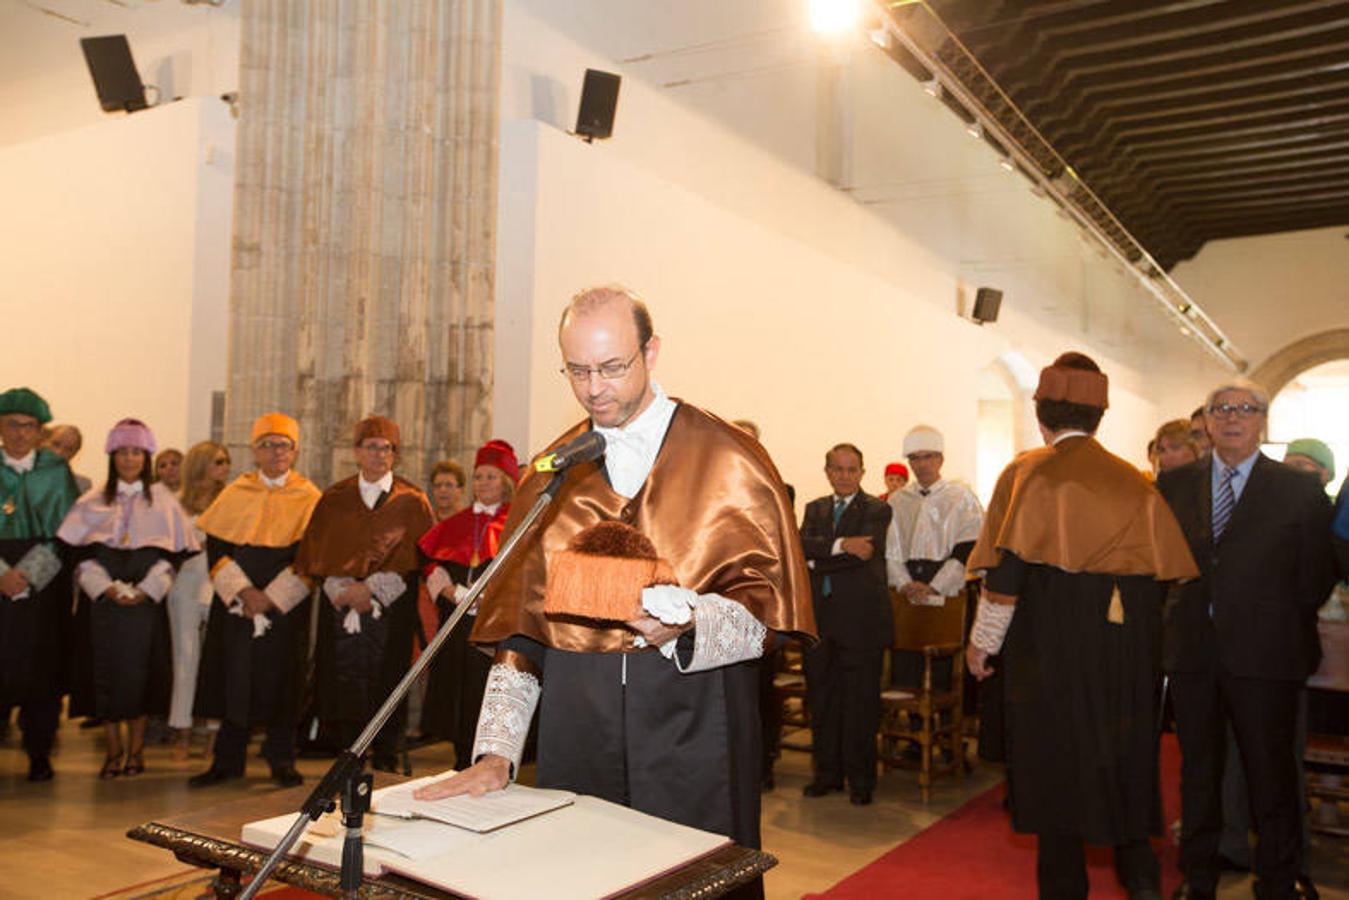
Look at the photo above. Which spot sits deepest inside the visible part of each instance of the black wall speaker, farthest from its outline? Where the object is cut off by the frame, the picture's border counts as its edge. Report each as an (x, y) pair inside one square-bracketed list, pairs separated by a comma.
[(987, 302), (114, 71), (599, 100)]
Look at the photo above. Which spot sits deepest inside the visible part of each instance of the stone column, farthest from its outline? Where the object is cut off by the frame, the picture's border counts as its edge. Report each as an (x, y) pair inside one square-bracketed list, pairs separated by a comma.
[(365, 225)]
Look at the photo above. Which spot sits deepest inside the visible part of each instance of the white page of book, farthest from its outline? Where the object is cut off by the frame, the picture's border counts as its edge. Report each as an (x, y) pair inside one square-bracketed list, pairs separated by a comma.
[(589, 848), (486, 813)]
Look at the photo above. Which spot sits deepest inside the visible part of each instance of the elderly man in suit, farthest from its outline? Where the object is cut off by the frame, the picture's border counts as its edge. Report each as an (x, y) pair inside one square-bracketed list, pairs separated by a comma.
[(844, 538), (1241, 639)]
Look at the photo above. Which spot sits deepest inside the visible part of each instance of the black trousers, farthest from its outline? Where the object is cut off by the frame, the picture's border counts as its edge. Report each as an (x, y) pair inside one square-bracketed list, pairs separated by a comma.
[(231, 746), (843, 685), (1262, 714), (1061, 867), (38, 720)]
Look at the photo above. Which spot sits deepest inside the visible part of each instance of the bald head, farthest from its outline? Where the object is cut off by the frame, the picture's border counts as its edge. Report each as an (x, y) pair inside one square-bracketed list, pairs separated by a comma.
[(608, 352)]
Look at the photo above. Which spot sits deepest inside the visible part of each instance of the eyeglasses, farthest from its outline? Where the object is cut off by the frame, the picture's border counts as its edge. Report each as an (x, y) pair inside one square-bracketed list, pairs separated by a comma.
[(26, 424), (609, 371), (274, 445), (1244, 410), (379, 448), (221, 461)]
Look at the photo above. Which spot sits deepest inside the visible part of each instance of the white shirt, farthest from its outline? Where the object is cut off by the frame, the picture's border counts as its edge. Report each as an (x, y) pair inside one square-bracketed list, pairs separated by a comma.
[(372, 490), (837, 547), (927, 524), (129, 488), (484, 509), (630, 451), (23, 465), (274, 483)]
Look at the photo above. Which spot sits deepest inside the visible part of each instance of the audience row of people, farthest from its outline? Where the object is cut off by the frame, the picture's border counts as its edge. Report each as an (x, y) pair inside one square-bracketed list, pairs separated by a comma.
[(195, 602)]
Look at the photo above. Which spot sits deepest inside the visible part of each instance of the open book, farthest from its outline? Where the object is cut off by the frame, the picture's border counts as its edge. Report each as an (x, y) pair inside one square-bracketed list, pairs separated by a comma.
[(486, 813), (584, 848)]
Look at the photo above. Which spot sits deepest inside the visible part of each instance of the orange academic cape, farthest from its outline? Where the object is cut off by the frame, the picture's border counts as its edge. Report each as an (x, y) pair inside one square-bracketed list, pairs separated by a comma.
[(715, 508)]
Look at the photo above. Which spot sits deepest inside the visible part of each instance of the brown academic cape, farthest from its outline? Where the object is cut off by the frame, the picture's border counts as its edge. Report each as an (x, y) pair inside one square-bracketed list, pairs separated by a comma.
[(1084, 542), (247, 680), (355, 672), (620, 722)]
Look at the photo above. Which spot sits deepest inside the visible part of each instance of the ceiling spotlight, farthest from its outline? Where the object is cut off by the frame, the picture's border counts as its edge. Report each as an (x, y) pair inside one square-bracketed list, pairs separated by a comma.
[(932, 87), (834, 16), (975, 129), (880, 37), (1007, 164), (1185, 332)]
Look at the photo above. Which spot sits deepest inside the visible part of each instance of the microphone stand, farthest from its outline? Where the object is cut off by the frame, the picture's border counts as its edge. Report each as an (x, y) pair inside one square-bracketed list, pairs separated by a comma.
[(345, 777)]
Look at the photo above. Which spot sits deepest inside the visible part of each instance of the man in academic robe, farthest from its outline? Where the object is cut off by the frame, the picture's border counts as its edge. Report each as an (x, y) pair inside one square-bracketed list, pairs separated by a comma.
[(843, 536), (36, 491), (659, 712), (1242, 639), (253, 656), (361, 546), (935, 524), (1076, 548)]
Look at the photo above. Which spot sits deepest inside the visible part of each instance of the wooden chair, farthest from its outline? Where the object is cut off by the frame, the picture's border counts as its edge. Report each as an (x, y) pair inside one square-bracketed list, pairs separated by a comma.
[(930, 719), (1330, 750), (789, 690)]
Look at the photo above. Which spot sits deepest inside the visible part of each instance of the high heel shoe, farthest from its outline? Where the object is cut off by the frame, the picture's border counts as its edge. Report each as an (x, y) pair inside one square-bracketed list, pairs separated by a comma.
[(134, 763), (112, 767)]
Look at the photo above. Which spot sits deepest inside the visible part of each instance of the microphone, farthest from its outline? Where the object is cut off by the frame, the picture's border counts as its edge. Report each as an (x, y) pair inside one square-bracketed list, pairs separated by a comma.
[(585, 448)]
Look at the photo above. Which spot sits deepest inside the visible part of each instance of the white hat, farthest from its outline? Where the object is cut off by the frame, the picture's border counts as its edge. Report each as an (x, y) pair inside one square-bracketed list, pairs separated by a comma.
[(923, 439)]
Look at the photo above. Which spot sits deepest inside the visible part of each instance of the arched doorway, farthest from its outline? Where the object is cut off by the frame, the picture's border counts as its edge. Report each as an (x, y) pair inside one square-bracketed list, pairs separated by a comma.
[(1312, 403), (1006, 419)]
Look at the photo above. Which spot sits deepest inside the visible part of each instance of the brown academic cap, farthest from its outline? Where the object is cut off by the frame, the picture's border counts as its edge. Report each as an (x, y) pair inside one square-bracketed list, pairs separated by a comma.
[(602, 572), (377, 427), (1074, 378)]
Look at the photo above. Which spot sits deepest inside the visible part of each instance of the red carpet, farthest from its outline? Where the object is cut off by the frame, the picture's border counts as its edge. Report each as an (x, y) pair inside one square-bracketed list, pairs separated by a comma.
[(973, 852)]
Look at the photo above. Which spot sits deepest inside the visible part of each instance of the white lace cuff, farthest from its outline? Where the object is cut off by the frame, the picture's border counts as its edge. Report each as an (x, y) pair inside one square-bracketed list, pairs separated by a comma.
[(724, 632), (286, 590), (157, 581), (228, 580), (437, 582), (507, 709), (334, 585), (40, 565), (92, 578), (386, 586), (991, 622), (950, 578)]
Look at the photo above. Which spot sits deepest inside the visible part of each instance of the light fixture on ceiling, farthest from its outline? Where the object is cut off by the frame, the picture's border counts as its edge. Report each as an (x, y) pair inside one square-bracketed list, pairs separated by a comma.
[(975, 129), (834, 16), (880, 37), (1007, 164), (932, 87)]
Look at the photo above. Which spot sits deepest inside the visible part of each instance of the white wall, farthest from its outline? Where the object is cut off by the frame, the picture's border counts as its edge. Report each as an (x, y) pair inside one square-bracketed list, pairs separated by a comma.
[(778, 297), (115, 272), (1272, 290)]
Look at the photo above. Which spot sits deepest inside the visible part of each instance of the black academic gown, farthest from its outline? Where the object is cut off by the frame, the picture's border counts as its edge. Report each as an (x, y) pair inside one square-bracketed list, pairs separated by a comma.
[(33, 634), (1081, 702), (631, 729), (247, 680), (122, 665), (458, 676)]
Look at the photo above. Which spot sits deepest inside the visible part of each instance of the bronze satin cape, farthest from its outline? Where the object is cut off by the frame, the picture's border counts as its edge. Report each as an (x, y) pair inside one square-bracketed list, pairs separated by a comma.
[(347, 538), (1120, 525), (716, 510)]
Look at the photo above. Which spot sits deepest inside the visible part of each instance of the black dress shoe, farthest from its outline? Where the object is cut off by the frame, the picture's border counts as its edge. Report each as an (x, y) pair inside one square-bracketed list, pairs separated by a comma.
[(860, 798), (287, 776), (1186, 892), (212, 776), (820, 788), (1305, 888), (40, 769)]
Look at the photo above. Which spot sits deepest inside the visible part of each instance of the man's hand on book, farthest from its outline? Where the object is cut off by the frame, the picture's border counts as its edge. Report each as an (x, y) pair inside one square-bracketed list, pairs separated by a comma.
[(491, 773)]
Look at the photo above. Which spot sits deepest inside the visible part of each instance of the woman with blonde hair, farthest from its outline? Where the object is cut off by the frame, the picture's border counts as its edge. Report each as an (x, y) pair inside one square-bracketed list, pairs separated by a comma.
[(1174, 446), (205, 471)]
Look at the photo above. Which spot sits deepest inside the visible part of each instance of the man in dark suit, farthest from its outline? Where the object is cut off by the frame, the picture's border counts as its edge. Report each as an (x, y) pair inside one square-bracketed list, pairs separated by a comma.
[(1241, 639), (844, 538)]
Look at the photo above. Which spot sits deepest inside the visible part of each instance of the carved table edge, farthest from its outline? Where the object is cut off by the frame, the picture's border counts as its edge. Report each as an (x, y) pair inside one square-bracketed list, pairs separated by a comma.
[(754, 864), (208, 852)]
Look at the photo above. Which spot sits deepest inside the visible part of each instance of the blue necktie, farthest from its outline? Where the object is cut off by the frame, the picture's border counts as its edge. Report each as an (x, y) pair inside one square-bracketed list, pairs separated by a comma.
[(1223, 502), (825, 587)]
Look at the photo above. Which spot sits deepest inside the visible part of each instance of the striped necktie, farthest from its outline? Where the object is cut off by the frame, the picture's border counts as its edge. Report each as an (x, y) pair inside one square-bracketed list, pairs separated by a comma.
[(1224, 500)]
